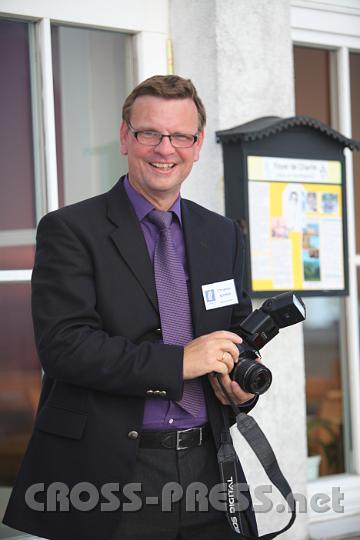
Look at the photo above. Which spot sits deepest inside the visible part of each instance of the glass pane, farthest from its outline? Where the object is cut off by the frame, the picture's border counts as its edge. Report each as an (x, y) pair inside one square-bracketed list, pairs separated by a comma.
[(92, 77), (20, 377), (17, 192), (324, 395), (312, 89), (355, 121), (324, 364)]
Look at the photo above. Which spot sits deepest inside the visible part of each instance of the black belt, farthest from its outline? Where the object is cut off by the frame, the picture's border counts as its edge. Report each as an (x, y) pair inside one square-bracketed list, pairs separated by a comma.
[(176, 439)]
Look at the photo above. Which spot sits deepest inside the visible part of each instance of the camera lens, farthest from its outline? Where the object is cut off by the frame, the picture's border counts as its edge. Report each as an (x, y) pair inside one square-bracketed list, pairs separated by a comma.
[(252, 376)]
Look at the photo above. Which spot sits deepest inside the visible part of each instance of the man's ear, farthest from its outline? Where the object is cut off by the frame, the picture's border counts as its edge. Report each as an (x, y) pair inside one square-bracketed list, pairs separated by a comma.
[(124, 134), (198, 145)]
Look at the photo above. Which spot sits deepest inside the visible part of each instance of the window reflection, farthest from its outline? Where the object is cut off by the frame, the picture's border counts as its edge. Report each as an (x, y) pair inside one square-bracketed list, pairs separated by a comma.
[(312, 89), (324, 383), (92, 76), (20, 377), (355, 126), (17, 187), (323, 363)]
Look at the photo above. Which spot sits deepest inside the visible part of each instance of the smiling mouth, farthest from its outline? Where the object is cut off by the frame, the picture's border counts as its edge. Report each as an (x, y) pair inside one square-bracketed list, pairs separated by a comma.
[(163, 166)]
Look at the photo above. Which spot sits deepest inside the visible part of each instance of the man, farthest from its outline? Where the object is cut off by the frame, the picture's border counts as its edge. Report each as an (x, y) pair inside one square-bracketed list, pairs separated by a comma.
[(129, 343)]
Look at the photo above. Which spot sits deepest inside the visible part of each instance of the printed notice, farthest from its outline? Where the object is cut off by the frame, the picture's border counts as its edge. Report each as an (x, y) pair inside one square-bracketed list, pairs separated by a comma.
[(296, 224)]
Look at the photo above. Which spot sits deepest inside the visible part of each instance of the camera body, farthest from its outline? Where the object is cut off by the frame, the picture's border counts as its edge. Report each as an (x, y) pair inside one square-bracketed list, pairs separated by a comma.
[(256, 330)]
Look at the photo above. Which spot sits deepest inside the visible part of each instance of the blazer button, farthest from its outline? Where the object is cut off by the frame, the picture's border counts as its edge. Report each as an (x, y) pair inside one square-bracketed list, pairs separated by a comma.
[(133, 435), (163, 393), (157, 331), (149, 392), (156, 392)]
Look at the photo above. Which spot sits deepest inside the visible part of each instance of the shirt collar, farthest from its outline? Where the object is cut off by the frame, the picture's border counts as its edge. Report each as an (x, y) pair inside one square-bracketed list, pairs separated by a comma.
[(142, 206)]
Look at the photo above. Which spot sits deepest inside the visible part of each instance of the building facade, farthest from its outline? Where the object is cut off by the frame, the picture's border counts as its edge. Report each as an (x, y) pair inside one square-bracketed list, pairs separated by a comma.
[(65, 69)]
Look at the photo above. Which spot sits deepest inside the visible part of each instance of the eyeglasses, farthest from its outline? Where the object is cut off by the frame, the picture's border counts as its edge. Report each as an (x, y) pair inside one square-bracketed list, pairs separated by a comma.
[(153, 138)]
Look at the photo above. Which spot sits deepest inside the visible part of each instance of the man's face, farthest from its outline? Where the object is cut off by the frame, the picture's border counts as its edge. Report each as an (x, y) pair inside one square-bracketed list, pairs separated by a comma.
[(157, 172)]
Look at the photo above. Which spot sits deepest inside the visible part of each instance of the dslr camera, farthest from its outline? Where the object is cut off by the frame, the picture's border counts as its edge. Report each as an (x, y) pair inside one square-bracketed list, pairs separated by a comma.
[(258, 329)]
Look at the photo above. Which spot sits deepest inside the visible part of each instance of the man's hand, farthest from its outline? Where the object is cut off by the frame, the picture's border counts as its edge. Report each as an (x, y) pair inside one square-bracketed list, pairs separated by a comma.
[(237, 394), (215, 352)]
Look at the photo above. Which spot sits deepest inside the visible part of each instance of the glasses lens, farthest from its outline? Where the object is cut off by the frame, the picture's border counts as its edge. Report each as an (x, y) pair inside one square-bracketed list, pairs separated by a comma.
[(151, 138), (182, 141)]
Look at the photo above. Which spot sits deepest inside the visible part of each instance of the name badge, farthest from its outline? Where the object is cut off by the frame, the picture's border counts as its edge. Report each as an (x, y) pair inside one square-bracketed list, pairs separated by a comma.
[(219, 294)]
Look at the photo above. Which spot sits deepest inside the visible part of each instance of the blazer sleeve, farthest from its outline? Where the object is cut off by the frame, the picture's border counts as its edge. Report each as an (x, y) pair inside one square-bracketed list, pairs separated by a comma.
[(72, 344)]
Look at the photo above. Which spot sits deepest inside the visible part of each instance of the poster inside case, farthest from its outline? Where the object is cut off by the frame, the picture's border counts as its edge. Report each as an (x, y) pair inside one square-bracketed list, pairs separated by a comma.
[(296, 224)]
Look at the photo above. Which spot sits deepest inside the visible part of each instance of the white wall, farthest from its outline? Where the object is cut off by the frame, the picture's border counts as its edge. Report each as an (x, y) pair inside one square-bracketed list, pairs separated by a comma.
[(239, 55), (194, 36)]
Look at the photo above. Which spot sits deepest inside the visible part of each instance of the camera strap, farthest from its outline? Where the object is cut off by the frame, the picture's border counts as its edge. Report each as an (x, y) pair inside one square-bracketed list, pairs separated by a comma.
[(258, 442), (227, 459)]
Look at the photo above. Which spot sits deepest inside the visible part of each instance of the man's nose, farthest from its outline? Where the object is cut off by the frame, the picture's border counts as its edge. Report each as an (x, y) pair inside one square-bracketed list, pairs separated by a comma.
[(165, 146)]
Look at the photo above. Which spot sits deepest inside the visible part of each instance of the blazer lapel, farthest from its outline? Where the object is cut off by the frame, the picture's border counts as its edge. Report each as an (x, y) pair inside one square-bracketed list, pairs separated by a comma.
[(129, 240)]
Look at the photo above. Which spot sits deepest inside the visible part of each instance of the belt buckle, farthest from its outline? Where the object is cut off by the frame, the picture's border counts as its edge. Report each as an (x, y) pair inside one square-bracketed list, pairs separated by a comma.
[(178, 438)]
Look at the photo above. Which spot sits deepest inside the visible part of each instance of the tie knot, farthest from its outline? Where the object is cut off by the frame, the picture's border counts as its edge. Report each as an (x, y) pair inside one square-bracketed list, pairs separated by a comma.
[(161, 219)]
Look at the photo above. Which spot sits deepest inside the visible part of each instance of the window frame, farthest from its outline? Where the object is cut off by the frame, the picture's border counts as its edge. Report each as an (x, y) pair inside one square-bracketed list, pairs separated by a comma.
[(335, 26), (149, 49)]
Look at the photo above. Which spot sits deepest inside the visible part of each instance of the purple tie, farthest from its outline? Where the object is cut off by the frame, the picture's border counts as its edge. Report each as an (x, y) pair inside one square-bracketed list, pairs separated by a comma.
[(174, 306)]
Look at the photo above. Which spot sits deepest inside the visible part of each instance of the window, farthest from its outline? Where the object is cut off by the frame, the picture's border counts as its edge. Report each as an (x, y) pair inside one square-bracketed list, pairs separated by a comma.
[(355, 121), (312, 78), (19, 200), (20, 377), (322, 336), (92, 73)]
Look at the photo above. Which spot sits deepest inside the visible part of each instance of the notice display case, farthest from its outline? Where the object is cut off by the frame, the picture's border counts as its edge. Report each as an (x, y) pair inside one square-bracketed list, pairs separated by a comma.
[(285, 185)]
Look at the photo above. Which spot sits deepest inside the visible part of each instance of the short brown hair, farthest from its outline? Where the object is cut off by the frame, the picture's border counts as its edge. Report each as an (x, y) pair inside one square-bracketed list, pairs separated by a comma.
[(166, 87)]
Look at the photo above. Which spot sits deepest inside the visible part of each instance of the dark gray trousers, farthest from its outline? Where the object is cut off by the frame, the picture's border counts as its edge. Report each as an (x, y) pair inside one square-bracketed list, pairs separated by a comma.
[(162, 473)]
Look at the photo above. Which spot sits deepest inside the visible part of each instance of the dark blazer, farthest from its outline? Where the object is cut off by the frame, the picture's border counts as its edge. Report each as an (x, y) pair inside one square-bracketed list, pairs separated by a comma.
[(95, 312)]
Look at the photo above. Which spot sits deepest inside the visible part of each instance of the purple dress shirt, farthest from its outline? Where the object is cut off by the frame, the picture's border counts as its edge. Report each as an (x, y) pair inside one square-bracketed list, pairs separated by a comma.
[(161, 413)]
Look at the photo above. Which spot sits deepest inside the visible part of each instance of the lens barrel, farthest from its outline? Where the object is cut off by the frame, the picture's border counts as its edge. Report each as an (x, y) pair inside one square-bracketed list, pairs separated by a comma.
[(253, 377)]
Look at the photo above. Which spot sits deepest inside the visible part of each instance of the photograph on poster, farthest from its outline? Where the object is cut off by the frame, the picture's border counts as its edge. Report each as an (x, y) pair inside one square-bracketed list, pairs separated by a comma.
[(293, 206), (311, 252), (311, 202), (279, 228), (329, 203)]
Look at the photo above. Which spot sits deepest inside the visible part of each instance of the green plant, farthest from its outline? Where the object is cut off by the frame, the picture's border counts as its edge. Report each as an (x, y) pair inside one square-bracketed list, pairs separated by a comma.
[(325, 439)]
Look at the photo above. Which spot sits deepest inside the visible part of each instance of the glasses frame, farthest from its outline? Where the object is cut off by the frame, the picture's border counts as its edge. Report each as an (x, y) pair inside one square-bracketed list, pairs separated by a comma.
[(136, 133)]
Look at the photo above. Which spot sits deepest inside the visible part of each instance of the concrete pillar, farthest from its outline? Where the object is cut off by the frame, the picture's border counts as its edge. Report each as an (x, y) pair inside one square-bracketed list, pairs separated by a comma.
[(239, 55)]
